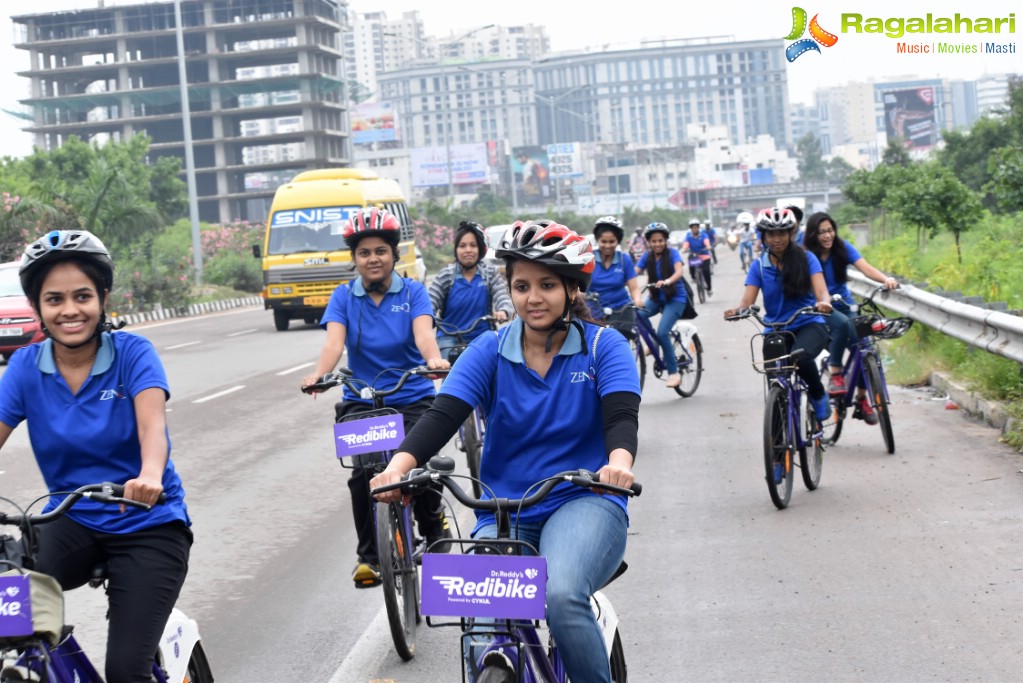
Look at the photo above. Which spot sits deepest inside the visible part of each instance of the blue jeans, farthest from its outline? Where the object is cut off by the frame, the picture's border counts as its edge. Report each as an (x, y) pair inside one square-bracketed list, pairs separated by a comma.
[(843, 333), (746, 248), (584, 543), (671, 313)]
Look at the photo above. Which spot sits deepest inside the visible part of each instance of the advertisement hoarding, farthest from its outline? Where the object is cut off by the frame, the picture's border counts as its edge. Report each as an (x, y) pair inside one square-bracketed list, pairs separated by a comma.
[(468, 165), (532, 174), (374, 122), (565, 159), (909, 115)]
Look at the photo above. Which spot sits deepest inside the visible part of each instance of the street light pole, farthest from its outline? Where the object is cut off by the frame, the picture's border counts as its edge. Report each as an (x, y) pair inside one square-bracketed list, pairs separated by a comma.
[(552, 100), (186, 120)]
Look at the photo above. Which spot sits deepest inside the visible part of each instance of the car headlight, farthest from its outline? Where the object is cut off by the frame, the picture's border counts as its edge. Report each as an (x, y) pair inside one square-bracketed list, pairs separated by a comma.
[(288, 290), (275, 290)]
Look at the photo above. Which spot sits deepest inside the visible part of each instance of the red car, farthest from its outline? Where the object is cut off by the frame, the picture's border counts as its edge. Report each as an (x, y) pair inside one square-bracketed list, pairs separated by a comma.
[(18, 323)]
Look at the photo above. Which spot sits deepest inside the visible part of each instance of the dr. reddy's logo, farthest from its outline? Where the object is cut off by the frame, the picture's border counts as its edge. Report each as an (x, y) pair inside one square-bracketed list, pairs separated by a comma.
[(804, 45)]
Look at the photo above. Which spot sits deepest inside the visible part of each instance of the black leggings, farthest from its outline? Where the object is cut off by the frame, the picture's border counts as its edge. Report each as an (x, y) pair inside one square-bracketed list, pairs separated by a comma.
[(146, 570), (812, 338), (706, 274), (427, 507)]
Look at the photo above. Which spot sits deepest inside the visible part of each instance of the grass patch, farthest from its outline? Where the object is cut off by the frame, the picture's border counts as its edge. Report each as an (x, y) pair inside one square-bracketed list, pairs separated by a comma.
[(206, 293)]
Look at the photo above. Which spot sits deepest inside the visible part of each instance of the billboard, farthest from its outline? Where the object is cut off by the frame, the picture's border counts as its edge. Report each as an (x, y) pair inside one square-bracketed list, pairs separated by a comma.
[(565, 160), (909, 115), (468, 165), (532, 174), (374, 122)]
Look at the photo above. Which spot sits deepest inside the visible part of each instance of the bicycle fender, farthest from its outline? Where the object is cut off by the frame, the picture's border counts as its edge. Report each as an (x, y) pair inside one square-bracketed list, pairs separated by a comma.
[(686, 329), (607, 618), (176, 644)]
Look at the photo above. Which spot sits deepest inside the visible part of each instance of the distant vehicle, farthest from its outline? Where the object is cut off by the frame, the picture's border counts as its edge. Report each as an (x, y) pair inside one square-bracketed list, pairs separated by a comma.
[(420, 266), (675, 238), (18, 323), (495, 233)]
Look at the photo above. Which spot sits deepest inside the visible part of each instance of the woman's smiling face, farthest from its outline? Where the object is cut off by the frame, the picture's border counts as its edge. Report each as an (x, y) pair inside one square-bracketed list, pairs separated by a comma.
[(69, 304)]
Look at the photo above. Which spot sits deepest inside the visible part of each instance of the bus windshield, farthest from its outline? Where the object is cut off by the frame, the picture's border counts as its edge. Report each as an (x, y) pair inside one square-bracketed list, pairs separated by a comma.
[(303, 231)]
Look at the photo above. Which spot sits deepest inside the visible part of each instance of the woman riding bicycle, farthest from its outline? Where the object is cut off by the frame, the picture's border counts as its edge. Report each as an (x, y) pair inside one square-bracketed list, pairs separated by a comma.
[(385, 323), (698, 243), (663, 266), (560, 394), (747, 237), (791, 279), (95, 405), (835, 255), (468, 289), (614, 276)]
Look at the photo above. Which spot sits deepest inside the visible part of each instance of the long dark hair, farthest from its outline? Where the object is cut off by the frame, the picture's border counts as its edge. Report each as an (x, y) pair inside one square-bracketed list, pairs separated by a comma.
[(795, 268), (666, 271), (812, 242)]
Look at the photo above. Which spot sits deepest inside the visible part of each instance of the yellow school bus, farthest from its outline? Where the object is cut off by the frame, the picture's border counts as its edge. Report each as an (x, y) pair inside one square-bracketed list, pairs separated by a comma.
[(303, 254)]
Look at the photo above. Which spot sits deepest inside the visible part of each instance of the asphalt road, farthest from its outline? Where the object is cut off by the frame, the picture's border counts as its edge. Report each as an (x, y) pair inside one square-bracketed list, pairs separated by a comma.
[(904, 567)]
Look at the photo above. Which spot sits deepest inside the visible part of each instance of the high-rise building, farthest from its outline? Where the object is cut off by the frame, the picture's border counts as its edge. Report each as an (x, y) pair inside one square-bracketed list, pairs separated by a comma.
[(266, 90)]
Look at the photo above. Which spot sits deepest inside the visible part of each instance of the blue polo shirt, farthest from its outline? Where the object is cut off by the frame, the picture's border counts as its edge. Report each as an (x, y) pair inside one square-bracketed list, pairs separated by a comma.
[(92, 436), (835, 287), (379, 339), (696, 243), (767, 277), (680, 290), (610, 282), (539, 427), (467, 302)]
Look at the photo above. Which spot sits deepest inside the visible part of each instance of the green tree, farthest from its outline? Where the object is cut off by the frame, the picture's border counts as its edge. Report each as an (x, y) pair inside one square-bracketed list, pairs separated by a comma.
[(1005, 167), (810, 160), (967, 154), (931, 198), (838, 169), (896, 154)]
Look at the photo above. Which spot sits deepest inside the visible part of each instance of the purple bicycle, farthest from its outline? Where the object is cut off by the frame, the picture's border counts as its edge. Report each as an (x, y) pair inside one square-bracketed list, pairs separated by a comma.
[(790, 425), (504, 612)]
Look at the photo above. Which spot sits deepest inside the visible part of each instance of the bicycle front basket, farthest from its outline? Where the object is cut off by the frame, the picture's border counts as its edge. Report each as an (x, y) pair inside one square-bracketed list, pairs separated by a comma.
[(31, 606)]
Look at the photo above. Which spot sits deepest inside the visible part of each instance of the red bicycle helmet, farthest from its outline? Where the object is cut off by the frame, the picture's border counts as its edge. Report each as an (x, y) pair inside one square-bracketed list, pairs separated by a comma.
[(559, 248), (372, 222)]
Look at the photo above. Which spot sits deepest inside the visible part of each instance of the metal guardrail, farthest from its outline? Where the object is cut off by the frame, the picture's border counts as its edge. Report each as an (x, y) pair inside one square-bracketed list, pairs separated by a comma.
[(994, 331)]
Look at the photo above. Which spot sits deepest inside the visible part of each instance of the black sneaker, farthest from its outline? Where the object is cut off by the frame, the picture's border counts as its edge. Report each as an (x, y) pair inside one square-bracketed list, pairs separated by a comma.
[(436, 535)]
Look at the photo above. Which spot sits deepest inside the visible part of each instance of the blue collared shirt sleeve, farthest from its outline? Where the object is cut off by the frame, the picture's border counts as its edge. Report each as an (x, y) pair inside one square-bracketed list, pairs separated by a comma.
[(337, 307), (472, 378)]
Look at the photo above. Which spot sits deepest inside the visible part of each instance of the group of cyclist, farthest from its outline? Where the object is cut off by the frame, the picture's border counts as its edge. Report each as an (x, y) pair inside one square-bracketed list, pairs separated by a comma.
[(559, 392)]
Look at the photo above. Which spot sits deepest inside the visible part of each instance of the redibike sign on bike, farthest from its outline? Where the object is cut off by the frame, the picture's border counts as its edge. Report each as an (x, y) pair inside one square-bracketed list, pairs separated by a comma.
[(497, 586), (368, 435), (15, 606)]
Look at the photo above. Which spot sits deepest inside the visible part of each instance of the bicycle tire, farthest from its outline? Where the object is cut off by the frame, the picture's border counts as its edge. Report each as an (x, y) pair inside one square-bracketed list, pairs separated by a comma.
[(619, 671), (811, 454), (701, 286), (776, 448), (690, 363), (832, 427), (640, 355), (496, 674), (879, 401), (199, 670), (399, 578), (473, 452)]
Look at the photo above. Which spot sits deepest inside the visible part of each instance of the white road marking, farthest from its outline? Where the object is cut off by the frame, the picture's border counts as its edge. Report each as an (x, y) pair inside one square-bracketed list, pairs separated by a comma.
[(225, 392), (238, 334), (181, 346), (294, 369)]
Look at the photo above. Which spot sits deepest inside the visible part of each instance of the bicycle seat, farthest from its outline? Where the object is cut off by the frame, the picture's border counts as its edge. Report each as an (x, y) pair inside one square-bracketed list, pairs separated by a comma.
[(618, 572)]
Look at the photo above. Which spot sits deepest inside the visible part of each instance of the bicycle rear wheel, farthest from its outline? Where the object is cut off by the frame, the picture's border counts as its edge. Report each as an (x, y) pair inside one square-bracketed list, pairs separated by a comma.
[(640, 356), (777, 451), (473, 451), (832, 427), (399, 577), (199, 670), (690, 362), (701, 287), (878, 399), (619, 671), (811, 453)]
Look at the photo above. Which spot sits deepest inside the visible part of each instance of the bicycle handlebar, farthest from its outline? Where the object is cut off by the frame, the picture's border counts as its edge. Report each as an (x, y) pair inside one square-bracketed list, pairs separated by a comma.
[(489, 319), (754, 312), (346, 377), (104, 493), (440, 468)]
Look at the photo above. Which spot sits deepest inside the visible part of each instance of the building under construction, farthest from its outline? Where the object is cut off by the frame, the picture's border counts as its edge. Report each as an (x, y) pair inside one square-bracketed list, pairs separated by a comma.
[(265, 89)]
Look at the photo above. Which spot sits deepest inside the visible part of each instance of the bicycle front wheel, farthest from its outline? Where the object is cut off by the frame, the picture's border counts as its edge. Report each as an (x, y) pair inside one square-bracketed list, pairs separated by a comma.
[(399, 577), (701, 287), (689, 357), (879, 399), (473, 451), (199, 670), (777, 448), (811, 453)]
